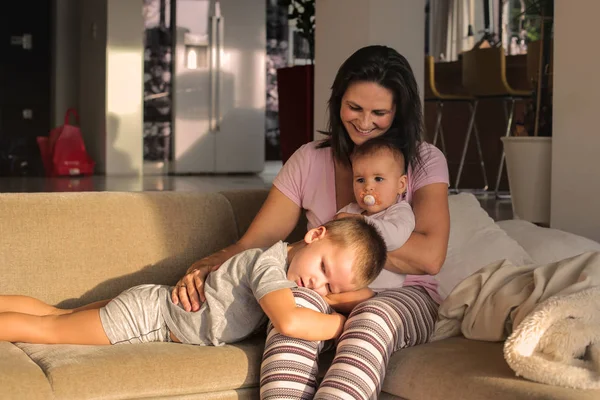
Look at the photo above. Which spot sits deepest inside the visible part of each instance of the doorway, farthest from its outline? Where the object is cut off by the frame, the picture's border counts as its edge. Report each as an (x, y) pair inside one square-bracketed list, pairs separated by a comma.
[(25, 73)]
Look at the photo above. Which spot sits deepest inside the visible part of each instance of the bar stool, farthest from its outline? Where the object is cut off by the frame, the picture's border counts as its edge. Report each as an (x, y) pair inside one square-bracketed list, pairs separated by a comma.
[(433, 95), (484, 76)]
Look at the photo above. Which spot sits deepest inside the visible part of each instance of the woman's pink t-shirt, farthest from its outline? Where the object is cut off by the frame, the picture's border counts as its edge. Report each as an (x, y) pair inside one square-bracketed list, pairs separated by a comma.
[(308, 179)]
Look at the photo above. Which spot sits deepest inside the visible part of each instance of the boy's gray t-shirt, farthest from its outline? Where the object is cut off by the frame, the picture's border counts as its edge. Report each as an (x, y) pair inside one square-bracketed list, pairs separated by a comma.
[(231, 311)]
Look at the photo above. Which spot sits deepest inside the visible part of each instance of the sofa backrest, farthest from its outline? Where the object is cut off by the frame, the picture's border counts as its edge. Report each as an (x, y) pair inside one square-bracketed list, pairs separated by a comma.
[(245, 205), (74, 248)]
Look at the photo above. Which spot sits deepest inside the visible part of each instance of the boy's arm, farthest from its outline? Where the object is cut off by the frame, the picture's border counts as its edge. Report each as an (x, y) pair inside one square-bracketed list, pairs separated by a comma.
[(298, 322), (345, 302)]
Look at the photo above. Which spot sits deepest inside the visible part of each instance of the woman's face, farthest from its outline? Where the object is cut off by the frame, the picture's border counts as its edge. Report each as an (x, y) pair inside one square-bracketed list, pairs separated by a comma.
[(367, 111)]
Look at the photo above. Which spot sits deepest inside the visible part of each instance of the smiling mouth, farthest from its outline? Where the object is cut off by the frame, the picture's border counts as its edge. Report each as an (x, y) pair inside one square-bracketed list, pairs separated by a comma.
[(363, 131), (299, 282)]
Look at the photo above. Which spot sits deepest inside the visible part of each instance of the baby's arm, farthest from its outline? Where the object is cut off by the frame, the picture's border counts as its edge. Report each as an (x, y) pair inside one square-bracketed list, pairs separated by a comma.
[(297, 322), (396, 226), (345, 302), (351, 210)]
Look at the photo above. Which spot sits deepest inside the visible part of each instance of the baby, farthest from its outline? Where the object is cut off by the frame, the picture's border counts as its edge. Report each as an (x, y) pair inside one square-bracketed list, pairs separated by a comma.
[(380, 181), (341, 256)]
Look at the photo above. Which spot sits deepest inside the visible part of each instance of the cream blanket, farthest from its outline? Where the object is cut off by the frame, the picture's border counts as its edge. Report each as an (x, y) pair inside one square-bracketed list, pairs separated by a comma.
[(554, 310)]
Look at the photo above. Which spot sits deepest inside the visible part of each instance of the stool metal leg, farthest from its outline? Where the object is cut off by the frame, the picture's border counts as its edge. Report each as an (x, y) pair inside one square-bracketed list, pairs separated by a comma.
[(466, 145), (482, 163), (442, 140), (438, 122), (509, 122)]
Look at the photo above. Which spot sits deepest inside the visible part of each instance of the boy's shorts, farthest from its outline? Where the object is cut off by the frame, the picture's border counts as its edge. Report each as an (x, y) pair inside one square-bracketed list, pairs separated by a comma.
[(134, 316)]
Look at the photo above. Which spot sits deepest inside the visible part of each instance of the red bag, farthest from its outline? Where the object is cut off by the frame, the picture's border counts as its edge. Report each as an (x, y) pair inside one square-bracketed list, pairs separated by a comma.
[(63, 152)]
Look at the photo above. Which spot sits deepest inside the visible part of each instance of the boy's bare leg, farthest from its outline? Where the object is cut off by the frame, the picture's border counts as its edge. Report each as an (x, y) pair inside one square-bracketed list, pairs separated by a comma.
[(28, 305), (82, 327), (92, 306), (32, 306)]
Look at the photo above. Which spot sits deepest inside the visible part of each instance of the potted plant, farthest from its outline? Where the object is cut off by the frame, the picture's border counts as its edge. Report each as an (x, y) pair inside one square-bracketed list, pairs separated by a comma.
[(529, 157), (295, 83)]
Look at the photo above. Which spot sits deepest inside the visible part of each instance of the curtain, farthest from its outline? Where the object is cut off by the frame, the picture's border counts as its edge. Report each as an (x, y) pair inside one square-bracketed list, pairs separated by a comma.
[(449, 28)]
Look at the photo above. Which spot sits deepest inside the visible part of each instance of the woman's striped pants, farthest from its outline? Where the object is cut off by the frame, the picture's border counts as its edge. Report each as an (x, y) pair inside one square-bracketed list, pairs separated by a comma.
[(390, 321)]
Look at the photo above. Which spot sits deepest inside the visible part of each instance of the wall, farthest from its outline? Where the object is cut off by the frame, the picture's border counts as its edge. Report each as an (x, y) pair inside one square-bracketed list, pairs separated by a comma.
[(98, 68), (92, 84), (576, 141), (344, 26), (65, 64), (124, 87)]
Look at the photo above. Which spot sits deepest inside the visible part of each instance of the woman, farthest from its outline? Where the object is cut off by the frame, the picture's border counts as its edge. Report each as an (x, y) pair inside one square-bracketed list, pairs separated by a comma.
[(374, 94)]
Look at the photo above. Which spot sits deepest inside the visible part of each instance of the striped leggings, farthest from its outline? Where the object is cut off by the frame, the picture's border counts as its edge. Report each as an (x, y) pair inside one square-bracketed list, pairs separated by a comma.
[(376, 328)]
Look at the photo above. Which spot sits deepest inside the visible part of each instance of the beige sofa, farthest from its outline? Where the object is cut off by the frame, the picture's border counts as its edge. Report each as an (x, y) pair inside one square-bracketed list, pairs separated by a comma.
[(74, 248)]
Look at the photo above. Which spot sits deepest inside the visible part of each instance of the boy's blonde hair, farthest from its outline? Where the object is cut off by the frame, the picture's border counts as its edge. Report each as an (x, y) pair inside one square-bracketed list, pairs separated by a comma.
[(375, 145), (369, 247)]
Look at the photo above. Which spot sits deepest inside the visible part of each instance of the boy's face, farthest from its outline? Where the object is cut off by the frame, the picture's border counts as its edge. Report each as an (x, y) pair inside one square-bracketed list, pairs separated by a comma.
[(322, 265), (380, 175)]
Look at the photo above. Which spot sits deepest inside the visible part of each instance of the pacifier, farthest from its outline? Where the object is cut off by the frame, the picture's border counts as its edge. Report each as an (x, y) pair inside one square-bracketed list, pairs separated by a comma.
[(369, 200)]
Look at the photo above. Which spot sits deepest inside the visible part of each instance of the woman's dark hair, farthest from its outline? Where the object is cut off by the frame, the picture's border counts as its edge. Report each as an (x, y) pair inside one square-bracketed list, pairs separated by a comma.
[(386, 67)]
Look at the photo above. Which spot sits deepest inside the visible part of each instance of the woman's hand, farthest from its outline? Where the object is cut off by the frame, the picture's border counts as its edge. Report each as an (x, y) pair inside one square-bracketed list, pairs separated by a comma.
[(189, 290), (275, 221)]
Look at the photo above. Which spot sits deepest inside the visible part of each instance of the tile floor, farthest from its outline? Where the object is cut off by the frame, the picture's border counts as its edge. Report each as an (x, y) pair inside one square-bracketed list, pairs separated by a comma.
[(498, 209)]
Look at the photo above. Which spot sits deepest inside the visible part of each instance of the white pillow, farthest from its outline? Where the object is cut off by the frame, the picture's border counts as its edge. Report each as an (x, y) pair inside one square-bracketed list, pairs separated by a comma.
[(546, 245), (475, 241)]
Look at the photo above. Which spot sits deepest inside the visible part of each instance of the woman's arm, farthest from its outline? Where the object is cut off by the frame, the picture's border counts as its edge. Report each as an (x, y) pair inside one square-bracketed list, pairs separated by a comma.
[(425, 250), (275, 221), (299, 322)]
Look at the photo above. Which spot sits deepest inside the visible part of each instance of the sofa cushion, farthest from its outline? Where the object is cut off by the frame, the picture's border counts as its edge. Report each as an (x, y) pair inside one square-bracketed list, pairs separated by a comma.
[(546, 245), (76, 248), (147, 370), (245, 205), (21, 378), (475, 241), (457, 369)]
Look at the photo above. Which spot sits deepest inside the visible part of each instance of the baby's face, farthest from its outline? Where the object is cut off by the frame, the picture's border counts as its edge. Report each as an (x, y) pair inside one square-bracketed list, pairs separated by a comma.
[(380, 175)]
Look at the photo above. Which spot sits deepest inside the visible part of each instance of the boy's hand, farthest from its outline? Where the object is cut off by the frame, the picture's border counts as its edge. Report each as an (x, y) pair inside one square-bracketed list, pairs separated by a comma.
[(342, 326), (345, 302)]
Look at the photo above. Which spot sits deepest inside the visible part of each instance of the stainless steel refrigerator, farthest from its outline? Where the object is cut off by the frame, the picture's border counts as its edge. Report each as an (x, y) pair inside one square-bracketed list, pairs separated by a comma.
[(219, 86)]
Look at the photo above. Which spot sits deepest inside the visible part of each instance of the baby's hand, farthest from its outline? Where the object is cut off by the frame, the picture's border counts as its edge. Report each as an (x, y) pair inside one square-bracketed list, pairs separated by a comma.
[(346, 215)]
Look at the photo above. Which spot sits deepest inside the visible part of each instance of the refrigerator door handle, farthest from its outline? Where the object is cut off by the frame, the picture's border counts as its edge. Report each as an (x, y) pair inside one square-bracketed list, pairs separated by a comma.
[(220, 51), (213, 74)]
